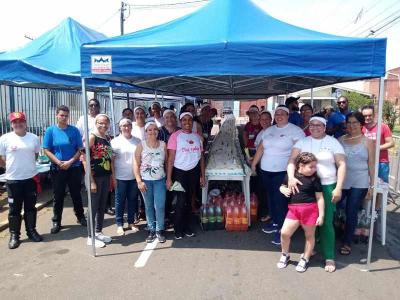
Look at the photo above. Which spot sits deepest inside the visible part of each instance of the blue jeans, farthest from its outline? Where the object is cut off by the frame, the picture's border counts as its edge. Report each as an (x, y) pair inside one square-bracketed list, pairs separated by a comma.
[(277, 202), (154, 202), (126, 191), (383, 171), (351, 202)]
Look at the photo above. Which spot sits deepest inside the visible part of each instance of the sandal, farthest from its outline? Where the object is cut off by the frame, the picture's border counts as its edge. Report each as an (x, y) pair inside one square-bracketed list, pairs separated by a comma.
[(345, 250), (302, 265), (330, 266), (265, 219), (283, 261)]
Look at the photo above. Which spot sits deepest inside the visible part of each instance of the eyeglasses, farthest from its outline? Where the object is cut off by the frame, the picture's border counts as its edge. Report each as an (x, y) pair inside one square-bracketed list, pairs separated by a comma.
[(93, 105), (316, 125), (341, 102)]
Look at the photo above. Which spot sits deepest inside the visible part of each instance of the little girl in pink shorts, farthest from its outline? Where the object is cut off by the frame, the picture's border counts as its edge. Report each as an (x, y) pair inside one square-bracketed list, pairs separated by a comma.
[(306, 209)]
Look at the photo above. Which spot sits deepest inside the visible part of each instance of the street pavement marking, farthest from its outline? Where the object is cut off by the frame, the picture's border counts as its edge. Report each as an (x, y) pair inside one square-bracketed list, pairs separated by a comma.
[(145, 255)]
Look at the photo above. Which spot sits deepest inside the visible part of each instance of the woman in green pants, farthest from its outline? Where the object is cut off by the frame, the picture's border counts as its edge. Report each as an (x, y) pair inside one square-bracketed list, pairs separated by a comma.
[(331, 169)]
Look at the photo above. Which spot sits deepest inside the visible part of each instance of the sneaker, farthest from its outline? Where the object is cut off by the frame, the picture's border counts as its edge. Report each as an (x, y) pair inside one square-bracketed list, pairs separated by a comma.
[(160, 236), (270, 228), (151, 237), (283, 261), (133, 227), (190, 233), (100, 236), (178, 236), (97, 243), (277, 238), (120, 231), (82, 221), (302, 265)]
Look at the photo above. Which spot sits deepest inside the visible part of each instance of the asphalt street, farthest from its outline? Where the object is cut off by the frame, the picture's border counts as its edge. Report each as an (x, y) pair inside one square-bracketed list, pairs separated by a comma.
[(212, 265)]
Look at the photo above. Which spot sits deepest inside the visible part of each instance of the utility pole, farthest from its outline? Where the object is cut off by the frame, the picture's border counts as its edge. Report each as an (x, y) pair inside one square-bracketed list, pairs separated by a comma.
[(122, 16)]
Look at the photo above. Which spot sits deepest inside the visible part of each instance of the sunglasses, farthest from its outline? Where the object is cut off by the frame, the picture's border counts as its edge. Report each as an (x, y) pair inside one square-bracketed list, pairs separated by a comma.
[(341, 102), (93, 105)]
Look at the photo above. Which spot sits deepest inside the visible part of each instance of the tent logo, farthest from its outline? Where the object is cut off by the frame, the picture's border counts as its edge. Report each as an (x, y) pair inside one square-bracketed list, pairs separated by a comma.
[(101, 64)]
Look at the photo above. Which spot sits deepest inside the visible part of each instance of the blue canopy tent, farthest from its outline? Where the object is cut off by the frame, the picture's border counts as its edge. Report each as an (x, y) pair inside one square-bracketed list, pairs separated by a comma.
[(52, 60), (234, 50)]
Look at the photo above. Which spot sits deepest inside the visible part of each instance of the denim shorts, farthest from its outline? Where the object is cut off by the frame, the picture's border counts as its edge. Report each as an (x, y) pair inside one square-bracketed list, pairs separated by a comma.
[(383, 171)]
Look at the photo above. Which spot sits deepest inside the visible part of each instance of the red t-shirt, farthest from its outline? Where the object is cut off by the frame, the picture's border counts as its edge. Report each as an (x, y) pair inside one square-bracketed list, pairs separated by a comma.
[(385, 132), (252, 131)]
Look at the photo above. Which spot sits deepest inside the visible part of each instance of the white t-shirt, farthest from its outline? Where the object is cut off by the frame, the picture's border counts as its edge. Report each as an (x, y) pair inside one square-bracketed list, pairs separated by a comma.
[(324, 149), (81, 122), (278, 143), (124, 151), (19, 152), (188, 147), (92, 126), (138, 132), (259, 137)]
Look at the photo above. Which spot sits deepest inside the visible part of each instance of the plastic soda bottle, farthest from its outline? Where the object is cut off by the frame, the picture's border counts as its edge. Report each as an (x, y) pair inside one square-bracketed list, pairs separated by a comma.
[(211, 217), (244, 219), (229, 219), (219, 217), (253, 207), (236, 218), (204, 217)]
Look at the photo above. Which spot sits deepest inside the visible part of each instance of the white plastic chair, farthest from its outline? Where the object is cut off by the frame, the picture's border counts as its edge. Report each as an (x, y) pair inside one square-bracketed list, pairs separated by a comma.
[(383, 189)]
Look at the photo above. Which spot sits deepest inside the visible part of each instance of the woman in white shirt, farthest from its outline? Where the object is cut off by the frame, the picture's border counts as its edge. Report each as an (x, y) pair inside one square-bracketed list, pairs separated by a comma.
[(18, 152), (331, 169), (186, 167), (149, 166), (274, 152), (140, 120), (124, 147)]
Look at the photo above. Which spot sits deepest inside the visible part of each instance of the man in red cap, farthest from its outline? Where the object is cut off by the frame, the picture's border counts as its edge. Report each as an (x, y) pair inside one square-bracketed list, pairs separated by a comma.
[(18, 151)]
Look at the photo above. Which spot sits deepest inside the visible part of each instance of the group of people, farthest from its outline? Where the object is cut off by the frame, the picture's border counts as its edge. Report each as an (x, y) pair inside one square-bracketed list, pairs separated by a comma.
[(307, 164), (149, 157)]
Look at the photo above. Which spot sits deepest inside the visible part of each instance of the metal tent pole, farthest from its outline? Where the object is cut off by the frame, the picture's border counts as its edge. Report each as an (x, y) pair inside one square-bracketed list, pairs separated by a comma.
[(377, 151), (88, 169), (112, 111), (312, 97)]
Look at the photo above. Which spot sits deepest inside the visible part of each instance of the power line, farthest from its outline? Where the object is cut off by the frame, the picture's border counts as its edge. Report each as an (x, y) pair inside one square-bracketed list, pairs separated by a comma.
[(109, 19), (387, 28), (372, 32), (359, 29), (166, 5)]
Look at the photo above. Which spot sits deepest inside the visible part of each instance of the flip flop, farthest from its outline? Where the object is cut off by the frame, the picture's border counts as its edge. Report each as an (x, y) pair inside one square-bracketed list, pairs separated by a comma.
[(345, 250), (330, 266)]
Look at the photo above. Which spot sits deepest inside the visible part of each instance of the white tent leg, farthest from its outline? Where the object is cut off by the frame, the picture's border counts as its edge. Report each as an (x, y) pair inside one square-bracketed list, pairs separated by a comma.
[(312, 97), (88, 170), (112, 111), (377, 151)]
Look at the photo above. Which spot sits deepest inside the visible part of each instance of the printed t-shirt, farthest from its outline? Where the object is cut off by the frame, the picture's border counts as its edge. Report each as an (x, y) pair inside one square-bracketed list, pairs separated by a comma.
[(310, 185), (124, 150), (252, 132), (324, 149), (100, 157), (385, 132), (188, 147), (278, 143), (63, 142), (19, 152)]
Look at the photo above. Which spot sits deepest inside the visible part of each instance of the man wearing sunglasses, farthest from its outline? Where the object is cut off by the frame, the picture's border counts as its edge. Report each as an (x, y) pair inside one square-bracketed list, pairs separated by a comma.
[(336, 125), (94, 110)]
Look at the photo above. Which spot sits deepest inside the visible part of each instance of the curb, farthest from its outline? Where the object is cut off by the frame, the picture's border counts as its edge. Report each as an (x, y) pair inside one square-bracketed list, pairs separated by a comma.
[(39, 206)]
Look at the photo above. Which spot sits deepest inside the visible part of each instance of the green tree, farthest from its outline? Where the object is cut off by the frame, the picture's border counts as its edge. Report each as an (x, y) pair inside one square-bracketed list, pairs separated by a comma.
[(356, 100), (390, 114)]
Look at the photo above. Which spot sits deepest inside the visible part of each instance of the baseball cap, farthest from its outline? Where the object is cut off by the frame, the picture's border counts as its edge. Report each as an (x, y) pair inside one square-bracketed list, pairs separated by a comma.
[(17, 116)]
